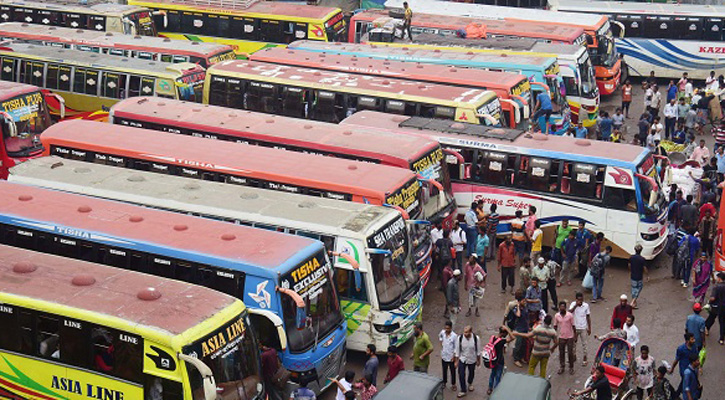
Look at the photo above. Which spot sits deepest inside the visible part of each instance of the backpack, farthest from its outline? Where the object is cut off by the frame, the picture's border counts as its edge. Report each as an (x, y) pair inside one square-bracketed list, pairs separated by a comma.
[(597, 265), (489, 354), (672, 245), (683, 250), (446, 252)]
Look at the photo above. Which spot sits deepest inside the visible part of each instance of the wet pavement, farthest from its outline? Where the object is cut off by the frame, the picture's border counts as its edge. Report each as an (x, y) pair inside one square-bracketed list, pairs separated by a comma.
[(663, 308)]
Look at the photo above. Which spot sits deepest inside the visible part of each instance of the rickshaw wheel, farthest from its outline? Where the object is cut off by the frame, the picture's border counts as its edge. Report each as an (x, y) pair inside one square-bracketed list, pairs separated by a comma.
[(628, 395)]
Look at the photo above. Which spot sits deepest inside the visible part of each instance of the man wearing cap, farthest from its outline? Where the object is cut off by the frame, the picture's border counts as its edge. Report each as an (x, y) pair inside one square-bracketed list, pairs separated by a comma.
[(695, 324), (452, 296), (621, 312)]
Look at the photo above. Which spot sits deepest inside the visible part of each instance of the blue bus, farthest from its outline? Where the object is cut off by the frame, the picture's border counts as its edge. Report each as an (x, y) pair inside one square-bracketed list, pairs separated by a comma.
[(543, 72), (286, 280)]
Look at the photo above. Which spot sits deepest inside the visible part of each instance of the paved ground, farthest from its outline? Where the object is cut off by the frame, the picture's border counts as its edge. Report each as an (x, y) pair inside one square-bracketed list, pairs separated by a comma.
[(663, 307)]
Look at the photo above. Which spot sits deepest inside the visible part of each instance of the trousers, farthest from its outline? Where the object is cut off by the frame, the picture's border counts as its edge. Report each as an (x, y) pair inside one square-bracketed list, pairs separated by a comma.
[(449, 366), (566, 346), (581, 337), (508, 274), (536, 360), (462, 367), (495, 377)]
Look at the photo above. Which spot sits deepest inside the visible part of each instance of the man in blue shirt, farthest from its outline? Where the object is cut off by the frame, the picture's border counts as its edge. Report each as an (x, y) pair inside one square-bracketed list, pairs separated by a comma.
[(583, 241), (720, 156), (581, 131), (679, 136), (695, 324), (605, 126), (543, 107), (683, 356), (471, 220), (690, 382)]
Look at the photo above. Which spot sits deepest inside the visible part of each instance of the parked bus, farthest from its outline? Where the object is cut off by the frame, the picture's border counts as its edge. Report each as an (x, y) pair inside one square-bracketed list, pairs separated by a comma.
[(25, 116), (513, 90), (576, 68), (97, 15), (285, 280), (543, 72), (332, 96), (613, 187), (597, 28), (91, 83), (236, 163), (74, 329), (380, 303), (666, 38), (143, 47), (430, 21), (247, 26), (422, 156)]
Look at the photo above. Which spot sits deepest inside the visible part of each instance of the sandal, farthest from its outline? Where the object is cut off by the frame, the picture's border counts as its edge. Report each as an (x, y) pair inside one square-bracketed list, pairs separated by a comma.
[(561, 371)]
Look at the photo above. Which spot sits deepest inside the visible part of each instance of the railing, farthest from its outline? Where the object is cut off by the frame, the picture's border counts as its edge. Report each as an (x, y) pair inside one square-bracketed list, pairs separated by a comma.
[(226, 4)]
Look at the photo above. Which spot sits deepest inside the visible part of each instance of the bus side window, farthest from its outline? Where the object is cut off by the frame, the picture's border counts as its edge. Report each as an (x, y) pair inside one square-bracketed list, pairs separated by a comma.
[(134, 87), (48, 338), (582, 180), (539, 174), (64, 78), (327, 107), (24, 71), (522, 171), (245, 28), (156, 388), (159, 266), (294, 102), (51, 80), (73, 343), (97, 23), (8, 69), (37, 72), (288, 31), (493, 168), (714, 29), (620, 199), (10, 338), (26, 320), (345, 282), (79, 80), (368, 103), (300, 31), (117, 353), (262, 97), (270, 31), (211, 25), (110, 85), (688, 28), (6, 13), (395, 107), (192, 22)]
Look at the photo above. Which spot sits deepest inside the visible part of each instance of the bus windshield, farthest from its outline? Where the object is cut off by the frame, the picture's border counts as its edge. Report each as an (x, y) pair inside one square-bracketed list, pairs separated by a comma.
[(653, 199), (393, 274), (408, 198), (311, 280), (235, 364), (606, 52), (143, 23), (586, 73), (430, 166), (492, 108), (30, 114), (335, 27), (191, 87)]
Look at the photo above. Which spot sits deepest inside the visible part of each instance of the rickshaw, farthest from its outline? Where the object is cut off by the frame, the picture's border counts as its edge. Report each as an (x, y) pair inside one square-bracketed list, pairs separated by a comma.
[(521, 387), (615, 355)]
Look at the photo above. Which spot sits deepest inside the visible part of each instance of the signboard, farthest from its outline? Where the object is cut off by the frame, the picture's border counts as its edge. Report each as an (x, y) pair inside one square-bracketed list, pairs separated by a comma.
[(308, 279), (23, 108)]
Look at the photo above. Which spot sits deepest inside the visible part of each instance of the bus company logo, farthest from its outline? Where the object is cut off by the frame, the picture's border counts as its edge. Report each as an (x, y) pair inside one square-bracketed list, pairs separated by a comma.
[(73, 232), (712, 49), (620, 176), (262, 296), (161, 359), (317, 31)]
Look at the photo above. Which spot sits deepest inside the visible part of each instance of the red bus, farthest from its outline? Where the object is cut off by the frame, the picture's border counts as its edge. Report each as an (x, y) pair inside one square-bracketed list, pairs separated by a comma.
[(513, 90), (719, 260), (361, 23), (236, 163), (25, 116), (423, 156)]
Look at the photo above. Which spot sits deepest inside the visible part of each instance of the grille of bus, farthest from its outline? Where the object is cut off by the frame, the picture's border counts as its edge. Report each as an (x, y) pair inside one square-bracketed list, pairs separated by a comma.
[(330, 366)]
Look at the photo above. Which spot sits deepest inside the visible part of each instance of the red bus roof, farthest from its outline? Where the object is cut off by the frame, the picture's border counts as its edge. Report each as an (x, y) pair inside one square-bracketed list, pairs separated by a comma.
[(434, 73), (327, 173), (9, 90), (606, 150), (493, 26), (278, 9), (85, 37), (293, 75), (114, 293), (390, 149), (266, 249)]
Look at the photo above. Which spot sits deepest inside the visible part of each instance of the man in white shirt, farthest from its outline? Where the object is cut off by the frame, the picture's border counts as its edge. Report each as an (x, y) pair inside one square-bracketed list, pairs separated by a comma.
[(658, 129), (449, 341), (632, 332), (458, 237), (467, 358), (710, 80), (670, 117), (582, 323), (436, 233), (346, 383)]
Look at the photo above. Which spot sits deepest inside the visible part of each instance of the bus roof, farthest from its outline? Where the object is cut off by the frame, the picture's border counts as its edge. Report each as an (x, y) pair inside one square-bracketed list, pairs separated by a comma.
[(11, 89), (321, 136), (97, 6), (256, 162), (94, 60), (261, 8), (501, 12), (472, 77), (493, 27), (659, 9), (203, 197), (581, 150), (88, 37), (115, 292), (139, 228), (385, 51), (366, 84), (497, 43)]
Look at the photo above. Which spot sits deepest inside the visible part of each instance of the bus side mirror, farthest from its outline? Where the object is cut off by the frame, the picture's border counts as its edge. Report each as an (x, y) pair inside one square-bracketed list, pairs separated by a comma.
[(162, 14), (355, 267), (207, 377), (129, 26), (260, 317), (301, 312), (12, 128)]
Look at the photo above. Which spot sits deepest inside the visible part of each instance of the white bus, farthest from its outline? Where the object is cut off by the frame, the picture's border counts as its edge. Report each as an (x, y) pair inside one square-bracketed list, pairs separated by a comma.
[(613, 187), (668, 39), (375, 274)]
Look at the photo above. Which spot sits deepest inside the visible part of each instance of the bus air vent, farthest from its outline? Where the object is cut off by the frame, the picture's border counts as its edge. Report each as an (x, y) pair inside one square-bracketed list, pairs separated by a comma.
[(83, 280), (148, 294), (24, 267)]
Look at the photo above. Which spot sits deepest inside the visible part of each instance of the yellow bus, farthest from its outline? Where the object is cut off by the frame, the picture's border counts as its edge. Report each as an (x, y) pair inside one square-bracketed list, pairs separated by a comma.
[(91, 83), (248, 25), (332, 96), (77, 330), (97, 15)]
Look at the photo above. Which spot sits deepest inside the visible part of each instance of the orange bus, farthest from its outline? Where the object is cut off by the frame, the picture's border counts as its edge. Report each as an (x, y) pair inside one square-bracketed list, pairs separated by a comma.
[(118, 44), (236, 163), (513, 90), (423, 156)]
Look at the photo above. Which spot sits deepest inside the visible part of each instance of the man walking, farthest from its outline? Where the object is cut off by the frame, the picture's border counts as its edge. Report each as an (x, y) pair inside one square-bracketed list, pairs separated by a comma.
[(421, 349), (449, 341), (533, 300), (717, 302), (632, 332), (475, 283), (467, 358), (637, 268), (407, 20), (395, 364), (621, 312), (643, 372), (683, 356), (493, 219), (691, 387), (518, 317), (582, 323), (537, 240), (542, 272), (371, 365), (499, 342), (453, 298), (507, 264), (596, 267), (564, 325), (583, 241), (670, 117), (568, 254), (543, 336), (695, 324), (458, 237)]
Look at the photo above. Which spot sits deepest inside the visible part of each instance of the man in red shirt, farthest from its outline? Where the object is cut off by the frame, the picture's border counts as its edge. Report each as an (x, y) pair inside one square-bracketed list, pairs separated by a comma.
[(621, 312), (395, 364), (507, 264)]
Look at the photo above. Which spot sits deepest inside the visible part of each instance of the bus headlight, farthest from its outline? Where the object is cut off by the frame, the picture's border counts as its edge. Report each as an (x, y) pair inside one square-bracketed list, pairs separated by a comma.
[(650, 236), (387, 328)]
